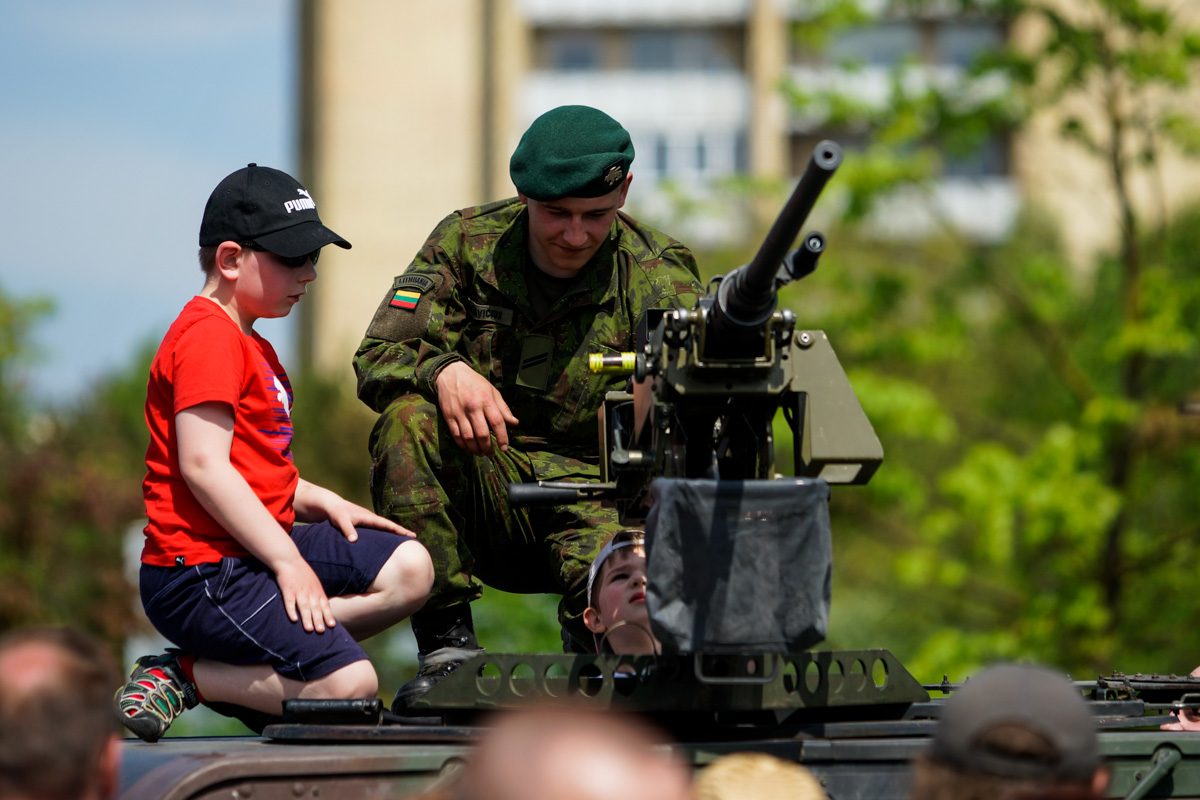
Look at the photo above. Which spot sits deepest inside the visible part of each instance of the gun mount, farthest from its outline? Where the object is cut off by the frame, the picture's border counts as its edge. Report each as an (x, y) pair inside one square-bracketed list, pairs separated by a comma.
[(708, 382), (690, 451)]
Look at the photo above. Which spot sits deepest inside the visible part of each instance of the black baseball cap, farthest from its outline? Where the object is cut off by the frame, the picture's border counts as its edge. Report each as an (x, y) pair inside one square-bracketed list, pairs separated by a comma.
[(1023, 696), (267, 207)]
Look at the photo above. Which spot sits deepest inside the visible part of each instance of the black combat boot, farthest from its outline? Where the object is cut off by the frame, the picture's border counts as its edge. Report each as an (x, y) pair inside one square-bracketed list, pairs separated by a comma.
[(572, 646), (445, 639)]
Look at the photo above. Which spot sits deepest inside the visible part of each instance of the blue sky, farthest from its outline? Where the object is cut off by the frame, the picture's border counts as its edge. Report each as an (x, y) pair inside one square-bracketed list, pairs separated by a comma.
[(117, 119)]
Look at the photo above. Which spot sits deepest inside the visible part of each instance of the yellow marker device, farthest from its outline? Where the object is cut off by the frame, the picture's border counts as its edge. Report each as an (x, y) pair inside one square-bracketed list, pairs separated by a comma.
[(599, 363)]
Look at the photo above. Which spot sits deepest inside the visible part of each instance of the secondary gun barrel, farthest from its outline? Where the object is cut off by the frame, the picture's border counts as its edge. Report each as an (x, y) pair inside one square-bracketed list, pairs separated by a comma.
[(746, 297)]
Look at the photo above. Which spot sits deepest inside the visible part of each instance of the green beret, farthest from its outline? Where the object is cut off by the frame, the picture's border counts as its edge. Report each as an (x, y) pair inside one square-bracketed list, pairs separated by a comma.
[(571, 151)]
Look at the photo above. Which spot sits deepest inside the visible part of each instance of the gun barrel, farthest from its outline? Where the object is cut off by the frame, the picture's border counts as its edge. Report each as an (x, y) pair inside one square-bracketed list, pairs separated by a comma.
[(747, 296), (802, 261), (556, 493), (760, 272)]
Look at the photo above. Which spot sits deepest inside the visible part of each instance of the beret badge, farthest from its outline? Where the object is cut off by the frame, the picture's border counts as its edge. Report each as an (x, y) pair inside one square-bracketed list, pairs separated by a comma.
[(613, 174)]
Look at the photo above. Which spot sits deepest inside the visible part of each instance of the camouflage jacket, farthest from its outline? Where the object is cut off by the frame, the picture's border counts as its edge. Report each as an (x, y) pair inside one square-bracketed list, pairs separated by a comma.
[(465, 298)]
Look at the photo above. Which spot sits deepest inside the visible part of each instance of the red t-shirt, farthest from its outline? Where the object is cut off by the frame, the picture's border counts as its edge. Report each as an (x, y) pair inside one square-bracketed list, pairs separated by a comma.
[(205, 357)]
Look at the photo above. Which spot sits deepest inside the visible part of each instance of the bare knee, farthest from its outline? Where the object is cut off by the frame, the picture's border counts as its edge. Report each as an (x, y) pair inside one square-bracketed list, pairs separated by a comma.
[(350, 682), (407, 576)]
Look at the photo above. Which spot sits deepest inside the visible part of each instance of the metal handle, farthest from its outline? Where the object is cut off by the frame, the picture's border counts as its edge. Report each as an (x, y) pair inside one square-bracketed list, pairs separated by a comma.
[(1165, 759), (721, 680)]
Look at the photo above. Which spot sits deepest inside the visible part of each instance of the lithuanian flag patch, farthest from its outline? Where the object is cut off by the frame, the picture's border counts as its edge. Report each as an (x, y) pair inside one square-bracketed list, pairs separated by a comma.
[(407, 290), (405, 298)]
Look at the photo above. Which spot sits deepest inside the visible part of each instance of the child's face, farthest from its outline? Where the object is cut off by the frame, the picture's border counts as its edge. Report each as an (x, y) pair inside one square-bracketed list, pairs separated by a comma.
[(266, 288), (620, 597)]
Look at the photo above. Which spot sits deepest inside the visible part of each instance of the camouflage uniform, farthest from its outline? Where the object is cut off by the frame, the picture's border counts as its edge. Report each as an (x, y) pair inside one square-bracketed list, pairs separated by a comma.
[(465, 298)]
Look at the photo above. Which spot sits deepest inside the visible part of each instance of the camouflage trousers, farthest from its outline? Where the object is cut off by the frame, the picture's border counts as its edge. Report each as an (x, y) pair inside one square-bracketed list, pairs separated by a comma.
[(457, 505)]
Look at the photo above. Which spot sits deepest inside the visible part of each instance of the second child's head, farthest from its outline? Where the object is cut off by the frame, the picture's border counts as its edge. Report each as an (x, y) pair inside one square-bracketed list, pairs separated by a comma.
[(616, 614), (260, 239)]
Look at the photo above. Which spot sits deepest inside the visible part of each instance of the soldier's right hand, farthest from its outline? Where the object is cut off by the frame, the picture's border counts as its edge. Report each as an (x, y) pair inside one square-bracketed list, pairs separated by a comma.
[(1185, 719), (473, 409)]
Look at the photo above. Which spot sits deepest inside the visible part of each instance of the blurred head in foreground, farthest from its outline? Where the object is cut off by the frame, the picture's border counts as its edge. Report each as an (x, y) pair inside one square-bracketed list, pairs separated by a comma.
[(58, 735), (566, 753), (1013, 731), (756, 776)]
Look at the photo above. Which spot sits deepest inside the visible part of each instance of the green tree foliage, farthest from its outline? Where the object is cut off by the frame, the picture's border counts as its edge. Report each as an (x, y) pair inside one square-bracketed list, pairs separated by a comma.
[(69, 491), (1037, 498)]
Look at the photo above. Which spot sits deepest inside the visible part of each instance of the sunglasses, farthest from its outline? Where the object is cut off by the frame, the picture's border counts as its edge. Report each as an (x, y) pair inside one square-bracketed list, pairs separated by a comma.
[(287, 261)]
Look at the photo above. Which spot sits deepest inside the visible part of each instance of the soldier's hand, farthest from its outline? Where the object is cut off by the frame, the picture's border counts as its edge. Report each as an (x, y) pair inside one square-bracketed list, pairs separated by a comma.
[(473, 409), (1185, 719)]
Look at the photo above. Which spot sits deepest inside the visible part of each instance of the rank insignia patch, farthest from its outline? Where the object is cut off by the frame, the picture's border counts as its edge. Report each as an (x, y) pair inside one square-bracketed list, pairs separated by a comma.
[(536, 356)]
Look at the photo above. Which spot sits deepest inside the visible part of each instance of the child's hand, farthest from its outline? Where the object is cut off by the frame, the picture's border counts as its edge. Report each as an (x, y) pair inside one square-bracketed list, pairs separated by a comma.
[(316, 504), (303, 596), (347, 516)]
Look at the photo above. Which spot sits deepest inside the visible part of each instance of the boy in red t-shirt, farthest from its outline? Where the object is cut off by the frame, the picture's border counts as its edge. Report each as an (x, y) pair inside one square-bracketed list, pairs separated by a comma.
[(262, 609)]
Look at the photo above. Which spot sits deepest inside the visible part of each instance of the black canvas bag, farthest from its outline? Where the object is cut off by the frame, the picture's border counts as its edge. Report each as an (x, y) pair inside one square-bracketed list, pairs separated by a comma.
[(739, 566)]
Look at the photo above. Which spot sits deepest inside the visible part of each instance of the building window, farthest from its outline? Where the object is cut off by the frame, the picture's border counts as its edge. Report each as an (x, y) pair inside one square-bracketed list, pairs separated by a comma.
[(661, 165), (989, 160), (572, 51), (960, 43), (886, 44), (651, 50), (946, 44), (690, 157), (660, 49), (950, 42)]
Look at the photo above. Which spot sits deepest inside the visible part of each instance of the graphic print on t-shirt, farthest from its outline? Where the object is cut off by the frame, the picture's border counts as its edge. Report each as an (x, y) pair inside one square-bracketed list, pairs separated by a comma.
[(280, 394)]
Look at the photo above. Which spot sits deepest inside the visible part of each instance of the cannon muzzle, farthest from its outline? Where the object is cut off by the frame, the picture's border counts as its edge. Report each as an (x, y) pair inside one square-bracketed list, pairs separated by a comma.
[(746, 297)]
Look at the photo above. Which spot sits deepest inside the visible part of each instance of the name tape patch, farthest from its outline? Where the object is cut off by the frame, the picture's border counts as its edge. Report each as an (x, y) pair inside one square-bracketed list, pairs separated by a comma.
[(503, 316)]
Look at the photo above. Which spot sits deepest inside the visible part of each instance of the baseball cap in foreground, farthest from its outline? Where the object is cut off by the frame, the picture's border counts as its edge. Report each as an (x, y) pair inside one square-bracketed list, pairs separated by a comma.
[(267, 207), (1025, 697)]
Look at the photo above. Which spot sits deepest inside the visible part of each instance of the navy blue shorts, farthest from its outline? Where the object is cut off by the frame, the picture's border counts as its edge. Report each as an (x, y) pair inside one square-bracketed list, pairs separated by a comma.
[(232, 610)]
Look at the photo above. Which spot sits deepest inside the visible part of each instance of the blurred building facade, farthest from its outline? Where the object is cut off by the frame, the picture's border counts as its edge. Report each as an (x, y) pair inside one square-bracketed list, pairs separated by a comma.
[(411, 110)]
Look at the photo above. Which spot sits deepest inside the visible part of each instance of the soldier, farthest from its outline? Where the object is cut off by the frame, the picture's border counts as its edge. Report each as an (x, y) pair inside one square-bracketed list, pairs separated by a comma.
[(477, 364)]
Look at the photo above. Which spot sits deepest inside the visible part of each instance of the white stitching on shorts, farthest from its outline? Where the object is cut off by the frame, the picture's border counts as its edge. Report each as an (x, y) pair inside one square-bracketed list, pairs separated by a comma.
[(245, 633), (254, 613)]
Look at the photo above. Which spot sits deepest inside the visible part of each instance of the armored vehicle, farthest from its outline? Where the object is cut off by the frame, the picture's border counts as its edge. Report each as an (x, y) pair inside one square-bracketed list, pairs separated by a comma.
[(854, 718), (738, 565)]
